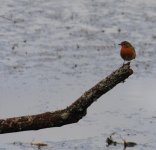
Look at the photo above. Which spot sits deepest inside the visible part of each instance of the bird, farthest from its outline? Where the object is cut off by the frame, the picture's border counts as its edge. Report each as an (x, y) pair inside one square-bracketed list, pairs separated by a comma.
[(127, 51)]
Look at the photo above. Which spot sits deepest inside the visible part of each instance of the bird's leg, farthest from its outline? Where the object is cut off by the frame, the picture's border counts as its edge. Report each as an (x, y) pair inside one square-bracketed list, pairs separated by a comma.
[(123, 62), (128, 62)]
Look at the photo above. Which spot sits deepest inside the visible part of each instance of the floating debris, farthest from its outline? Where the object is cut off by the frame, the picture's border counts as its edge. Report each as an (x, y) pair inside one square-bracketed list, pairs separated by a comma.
[(126, 144)]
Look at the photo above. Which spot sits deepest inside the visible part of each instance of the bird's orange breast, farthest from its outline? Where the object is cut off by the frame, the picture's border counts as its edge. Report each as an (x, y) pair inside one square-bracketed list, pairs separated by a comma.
[(127, 53)]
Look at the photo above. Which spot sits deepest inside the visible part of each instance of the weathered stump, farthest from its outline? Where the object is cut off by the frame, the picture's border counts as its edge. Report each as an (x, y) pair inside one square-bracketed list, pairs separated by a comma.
[(71, 114)]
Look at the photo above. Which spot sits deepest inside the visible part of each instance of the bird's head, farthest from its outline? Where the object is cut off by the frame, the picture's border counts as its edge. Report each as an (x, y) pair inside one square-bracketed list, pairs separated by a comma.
[(125, 44)]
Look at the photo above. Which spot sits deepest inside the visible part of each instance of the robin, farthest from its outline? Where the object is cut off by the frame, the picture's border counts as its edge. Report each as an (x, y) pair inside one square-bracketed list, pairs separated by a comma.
[(127, 51)]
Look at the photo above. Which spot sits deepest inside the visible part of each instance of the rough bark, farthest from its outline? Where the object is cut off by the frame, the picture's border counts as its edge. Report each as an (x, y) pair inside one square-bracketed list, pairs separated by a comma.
[(71, 114)]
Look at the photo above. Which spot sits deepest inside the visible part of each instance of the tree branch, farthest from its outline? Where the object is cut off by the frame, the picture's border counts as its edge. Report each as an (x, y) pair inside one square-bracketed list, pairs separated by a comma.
[(71, 114)]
